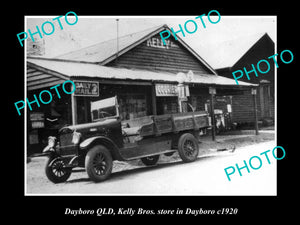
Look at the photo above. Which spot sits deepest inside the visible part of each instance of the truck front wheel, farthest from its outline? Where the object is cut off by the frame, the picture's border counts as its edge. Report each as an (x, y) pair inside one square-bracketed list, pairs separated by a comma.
[(188, 147), (55, 170), (98, 163)]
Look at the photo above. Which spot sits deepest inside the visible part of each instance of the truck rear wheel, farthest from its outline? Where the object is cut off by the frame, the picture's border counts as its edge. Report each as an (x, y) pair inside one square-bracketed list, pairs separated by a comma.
[(188, 147), (98, 163), (150, 160)]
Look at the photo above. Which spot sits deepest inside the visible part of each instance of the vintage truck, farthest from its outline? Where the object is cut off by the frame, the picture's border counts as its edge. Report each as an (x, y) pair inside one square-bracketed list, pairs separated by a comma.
[(94, 146)]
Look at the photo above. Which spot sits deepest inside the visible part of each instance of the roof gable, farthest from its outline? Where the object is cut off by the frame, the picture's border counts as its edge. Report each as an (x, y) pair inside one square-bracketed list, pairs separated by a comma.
[(153, 55), (262, 48), (228, 53), (104, 52)]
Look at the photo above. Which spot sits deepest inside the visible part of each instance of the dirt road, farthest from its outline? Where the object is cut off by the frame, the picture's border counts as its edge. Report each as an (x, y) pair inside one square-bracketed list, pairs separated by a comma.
[(205, 176)]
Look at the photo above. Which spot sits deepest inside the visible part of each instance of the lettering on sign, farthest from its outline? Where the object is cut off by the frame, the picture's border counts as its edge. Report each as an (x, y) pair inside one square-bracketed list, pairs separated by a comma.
[(37, 120), (183, 92), (212, 91), (86, 88), (158, 43), (166, 90)]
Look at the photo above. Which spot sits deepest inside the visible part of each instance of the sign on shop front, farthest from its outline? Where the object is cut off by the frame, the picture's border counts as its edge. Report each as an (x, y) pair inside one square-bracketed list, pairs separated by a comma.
[(158, 43), (182, 91), (86, 88), (37, 120), (166, 90)]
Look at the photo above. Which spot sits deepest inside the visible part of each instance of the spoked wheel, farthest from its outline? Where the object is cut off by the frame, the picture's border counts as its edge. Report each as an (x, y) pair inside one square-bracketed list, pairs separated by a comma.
[(56, 171), (98, 163), (188, 147), (150, 160)]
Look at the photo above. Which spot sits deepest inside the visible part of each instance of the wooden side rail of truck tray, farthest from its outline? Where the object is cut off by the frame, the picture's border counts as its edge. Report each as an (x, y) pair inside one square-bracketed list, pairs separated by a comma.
[(158, 125)]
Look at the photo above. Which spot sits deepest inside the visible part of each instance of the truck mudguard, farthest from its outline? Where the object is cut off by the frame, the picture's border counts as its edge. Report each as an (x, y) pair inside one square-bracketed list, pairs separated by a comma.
[(101, 140)]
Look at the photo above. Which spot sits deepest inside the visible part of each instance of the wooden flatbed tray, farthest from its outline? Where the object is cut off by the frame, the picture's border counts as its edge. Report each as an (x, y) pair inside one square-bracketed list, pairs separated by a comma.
[(157, 125)]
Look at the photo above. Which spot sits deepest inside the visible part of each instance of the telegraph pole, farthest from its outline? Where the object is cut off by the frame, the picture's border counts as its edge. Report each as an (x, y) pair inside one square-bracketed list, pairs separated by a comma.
[(117, 54)]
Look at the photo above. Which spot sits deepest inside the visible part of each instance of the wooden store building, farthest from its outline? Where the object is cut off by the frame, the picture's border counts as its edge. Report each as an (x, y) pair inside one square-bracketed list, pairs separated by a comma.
[(235, 54), (144, 74)]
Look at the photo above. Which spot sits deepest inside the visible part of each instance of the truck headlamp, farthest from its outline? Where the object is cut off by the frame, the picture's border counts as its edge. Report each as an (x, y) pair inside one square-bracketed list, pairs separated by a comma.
[(51, 144), (51, 141), (76, 137)]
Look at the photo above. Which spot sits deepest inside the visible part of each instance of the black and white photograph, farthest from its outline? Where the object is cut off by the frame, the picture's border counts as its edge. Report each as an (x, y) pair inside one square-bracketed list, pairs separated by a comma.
[(151, 105)]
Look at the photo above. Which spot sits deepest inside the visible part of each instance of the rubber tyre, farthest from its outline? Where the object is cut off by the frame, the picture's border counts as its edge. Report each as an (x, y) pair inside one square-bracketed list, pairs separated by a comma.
[(98, 163), (151, 160), (188, 147), (55, 173)]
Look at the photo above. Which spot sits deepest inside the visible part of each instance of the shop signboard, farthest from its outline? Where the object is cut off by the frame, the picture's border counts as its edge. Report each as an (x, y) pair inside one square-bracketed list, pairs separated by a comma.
[(253, 91), (86, 88), (37, 120), (163, 90), (158, 43)]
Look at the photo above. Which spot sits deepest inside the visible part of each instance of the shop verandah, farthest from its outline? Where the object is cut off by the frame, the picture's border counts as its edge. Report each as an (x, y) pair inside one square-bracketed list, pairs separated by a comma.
[(140, 93)]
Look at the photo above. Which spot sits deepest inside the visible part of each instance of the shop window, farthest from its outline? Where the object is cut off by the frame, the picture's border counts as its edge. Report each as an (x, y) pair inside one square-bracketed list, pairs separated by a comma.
[(198, 102), (132, 106), (104, 108), (167, 105)]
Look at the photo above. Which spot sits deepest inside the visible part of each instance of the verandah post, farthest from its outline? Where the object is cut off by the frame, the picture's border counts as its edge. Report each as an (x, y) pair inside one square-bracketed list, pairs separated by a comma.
[(253, 92), (212, 92)]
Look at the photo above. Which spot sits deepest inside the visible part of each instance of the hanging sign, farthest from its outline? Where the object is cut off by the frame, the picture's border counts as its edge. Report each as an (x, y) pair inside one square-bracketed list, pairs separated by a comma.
[(183, 92), (253, 91), (212, 90), (86, 88)]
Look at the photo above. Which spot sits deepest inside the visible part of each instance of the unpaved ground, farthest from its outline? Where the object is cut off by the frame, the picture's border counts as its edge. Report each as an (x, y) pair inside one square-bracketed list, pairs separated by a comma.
[(135, 178)]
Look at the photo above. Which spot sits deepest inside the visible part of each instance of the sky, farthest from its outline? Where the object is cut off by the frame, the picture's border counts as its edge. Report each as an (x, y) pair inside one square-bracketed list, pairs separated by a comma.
[(94, 29)]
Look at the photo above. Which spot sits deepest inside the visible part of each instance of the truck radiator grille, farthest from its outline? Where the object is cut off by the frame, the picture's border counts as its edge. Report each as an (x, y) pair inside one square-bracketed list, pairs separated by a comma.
[(66, 145), (66, 139)]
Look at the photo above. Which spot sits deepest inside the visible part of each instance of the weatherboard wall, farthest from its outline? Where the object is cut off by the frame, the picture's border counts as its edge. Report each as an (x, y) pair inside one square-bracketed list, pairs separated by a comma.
[(262, 49), (37, 79), (153, 55)]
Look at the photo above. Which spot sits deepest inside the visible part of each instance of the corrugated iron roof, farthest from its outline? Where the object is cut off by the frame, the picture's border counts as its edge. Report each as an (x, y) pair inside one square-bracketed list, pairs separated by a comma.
[(218, 80), (106, 51), (99, 52), (76, 69)]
